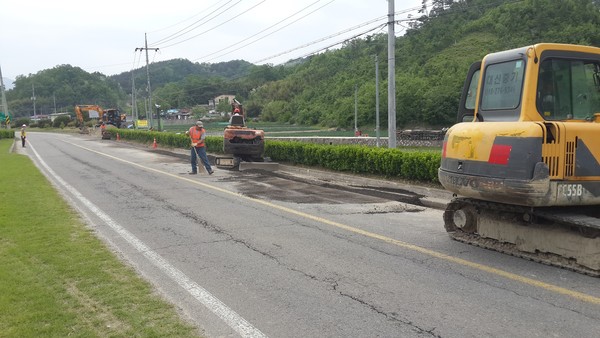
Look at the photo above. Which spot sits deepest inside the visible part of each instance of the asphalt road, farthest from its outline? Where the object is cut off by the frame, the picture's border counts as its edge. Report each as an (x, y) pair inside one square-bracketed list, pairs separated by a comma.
[(301, 253)]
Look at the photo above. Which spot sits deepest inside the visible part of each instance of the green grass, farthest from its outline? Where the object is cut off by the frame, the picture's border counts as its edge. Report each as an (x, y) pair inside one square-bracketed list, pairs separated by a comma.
[(278, 129), (57, 279)]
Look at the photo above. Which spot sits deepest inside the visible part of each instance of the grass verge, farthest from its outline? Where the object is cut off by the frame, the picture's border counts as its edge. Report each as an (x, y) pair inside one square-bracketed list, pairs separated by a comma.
[(57, 279)]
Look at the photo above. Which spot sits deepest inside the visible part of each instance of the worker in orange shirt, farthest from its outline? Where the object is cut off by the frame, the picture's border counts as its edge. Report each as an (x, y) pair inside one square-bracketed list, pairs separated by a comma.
[(102, 129), (197, 135)]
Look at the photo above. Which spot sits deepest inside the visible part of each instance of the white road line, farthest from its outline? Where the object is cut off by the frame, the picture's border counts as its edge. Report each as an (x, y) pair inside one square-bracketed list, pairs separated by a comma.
[(229, 316)]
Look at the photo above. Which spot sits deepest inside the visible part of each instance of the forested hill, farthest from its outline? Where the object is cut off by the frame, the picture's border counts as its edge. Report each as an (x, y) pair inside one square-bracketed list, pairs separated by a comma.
[(432, 58), (177, 70)]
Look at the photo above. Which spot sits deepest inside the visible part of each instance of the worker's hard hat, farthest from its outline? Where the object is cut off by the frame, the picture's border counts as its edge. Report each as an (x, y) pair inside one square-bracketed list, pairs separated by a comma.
[(199, 124), (24, 126)]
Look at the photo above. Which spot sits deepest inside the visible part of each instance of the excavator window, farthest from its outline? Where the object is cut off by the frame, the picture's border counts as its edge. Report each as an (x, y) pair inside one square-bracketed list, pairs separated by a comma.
[(568, 89), (237, 120), (501, 91), (472, 92), (468, 96)]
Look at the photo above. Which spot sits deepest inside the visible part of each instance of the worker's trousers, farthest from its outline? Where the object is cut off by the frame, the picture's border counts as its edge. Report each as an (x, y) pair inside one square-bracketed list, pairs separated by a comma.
[(201, 151)]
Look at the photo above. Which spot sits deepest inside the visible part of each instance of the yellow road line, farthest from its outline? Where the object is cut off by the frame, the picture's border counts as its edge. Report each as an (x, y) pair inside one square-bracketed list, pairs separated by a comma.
[(525, 280)]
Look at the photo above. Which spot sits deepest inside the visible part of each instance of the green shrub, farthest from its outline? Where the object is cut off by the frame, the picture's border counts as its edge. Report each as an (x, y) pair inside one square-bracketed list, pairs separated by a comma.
[(414, 165), (7, 133), (42, 124), (22, 121)]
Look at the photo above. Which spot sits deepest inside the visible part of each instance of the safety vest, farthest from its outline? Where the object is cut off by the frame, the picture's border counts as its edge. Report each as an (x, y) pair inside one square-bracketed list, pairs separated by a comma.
[(196, 136)]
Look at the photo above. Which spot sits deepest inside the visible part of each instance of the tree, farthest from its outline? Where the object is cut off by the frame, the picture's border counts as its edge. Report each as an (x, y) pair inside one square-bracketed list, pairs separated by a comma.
[(223, 106), (61, 121)]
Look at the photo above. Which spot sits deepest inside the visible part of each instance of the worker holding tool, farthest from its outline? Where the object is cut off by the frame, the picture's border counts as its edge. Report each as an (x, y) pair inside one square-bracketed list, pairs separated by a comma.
[(103, 130), (197, 135)]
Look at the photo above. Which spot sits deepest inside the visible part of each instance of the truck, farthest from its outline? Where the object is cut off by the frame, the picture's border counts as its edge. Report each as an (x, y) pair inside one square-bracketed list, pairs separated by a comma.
[(523, 161), (243, 146)]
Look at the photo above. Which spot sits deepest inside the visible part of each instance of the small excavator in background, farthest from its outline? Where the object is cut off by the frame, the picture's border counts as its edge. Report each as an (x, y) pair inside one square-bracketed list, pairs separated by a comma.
[(243, 147), (110, 117)]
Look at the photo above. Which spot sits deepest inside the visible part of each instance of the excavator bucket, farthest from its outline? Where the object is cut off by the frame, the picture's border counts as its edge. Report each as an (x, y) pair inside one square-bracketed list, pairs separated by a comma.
[(236, 163), (268, 166)]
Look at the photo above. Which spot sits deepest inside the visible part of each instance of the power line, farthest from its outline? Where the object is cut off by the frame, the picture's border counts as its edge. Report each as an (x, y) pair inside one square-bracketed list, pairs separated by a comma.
[(193, 16), (447, 12), (340, 42), (461, 8), (262, 31), (320, 40), (214, 27), (338, 34), (380, 26), (183, 31), (265, 36)]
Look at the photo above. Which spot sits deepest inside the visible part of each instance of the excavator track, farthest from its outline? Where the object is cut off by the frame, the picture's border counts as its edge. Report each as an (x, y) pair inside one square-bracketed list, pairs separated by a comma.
[(464, 217)]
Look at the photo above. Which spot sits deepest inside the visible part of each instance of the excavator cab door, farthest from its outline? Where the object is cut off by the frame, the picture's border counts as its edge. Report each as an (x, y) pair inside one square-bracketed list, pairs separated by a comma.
[(466, 108)]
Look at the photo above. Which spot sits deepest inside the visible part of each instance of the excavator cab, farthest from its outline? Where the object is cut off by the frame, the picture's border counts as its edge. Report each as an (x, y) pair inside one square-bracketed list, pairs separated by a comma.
[(237, 114), (113, 117)]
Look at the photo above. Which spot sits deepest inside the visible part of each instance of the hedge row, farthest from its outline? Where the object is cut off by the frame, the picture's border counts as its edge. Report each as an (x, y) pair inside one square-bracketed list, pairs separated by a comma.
[(413, 165), (4, 133)]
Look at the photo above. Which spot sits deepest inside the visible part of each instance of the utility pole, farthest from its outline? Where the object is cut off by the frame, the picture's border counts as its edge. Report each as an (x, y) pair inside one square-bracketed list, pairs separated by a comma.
[(391, 76), (133, 101), (146, 110), (148, 74), (4, 107), (33, 98), (355, 109), (377, 99), (158, 115)]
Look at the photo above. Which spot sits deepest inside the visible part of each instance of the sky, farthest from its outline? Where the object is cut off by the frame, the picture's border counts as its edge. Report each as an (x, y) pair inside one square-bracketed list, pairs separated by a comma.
[(102, 36)]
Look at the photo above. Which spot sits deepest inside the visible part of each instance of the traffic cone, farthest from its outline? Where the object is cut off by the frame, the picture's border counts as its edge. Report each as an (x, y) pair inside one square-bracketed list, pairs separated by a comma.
[(118, 137), (154, 145)]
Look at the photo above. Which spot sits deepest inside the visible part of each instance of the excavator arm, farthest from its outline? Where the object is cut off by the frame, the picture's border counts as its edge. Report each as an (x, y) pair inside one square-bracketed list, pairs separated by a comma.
[(79, 116), (94, 111), (110, 116)]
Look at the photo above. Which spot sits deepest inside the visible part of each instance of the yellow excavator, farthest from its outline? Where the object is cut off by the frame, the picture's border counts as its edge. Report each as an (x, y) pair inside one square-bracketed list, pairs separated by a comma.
[(110, 116), (524, 160)]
